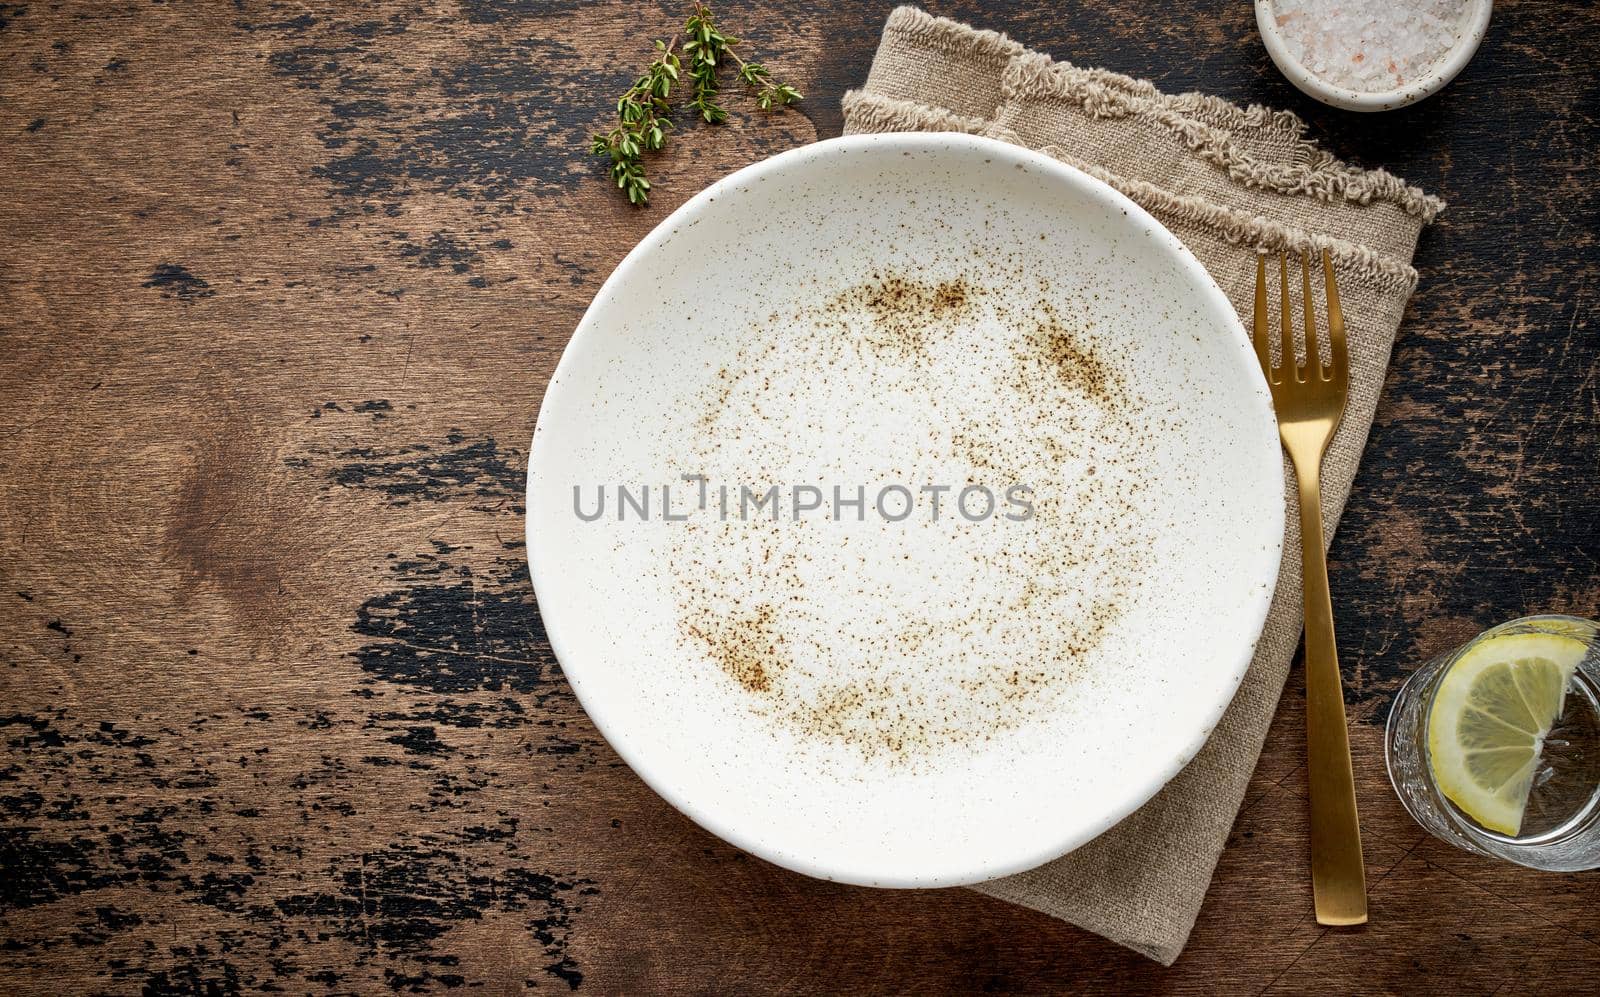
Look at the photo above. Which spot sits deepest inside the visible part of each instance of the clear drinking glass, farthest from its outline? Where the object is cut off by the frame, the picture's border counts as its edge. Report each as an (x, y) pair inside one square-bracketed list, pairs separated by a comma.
[(1561, 826)]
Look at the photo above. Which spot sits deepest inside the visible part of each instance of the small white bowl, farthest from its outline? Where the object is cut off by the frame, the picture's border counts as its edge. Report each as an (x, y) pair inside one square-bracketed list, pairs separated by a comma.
[(1445, 70)]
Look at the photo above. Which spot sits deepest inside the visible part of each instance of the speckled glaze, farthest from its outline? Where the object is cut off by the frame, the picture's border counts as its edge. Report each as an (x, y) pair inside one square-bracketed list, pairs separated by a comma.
[(1475, 25), (927, 700)]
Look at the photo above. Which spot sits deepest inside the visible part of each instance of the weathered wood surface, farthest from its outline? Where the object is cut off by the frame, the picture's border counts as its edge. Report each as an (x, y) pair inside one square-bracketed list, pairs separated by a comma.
[(280, 287)]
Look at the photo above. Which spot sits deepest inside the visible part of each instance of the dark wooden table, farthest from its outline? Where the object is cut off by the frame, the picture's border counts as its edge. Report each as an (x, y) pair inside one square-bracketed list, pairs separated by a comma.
[(280, 288)]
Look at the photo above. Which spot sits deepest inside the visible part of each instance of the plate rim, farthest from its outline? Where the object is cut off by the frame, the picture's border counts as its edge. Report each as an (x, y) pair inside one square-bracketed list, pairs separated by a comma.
[(961, 871)]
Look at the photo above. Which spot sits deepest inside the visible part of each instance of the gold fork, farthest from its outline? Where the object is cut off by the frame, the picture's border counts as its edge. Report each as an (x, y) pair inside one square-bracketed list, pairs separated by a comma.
[(1309, 399)]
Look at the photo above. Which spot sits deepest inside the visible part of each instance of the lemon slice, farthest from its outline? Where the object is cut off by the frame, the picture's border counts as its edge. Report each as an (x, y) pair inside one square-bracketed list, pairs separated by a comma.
[(1489, 720)]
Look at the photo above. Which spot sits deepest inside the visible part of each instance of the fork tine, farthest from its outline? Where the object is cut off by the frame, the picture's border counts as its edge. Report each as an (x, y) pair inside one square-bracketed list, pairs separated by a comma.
[(1340, 356), (1286, 364), (1262, 323), (1313, 352)]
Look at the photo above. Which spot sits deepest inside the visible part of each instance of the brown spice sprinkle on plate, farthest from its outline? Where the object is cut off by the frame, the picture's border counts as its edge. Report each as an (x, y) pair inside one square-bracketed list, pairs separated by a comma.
[(746, 647), (904, 311), (1076, 364), (896, 682)]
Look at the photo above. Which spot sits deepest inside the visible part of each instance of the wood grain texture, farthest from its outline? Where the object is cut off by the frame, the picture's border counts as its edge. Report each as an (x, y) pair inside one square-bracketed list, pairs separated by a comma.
[(280, 287)]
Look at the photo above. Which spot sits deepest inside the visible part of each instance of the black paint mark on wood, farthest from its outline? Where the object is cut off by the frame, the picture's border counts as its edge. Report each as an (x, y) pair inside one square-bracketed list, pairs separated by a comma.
[(577, 274), (378, 408), (48, 844), (394, 904), (446, 629), (513, 114), (91, 806), (421, 741), (174, 281), (479, 471), (441, 250)]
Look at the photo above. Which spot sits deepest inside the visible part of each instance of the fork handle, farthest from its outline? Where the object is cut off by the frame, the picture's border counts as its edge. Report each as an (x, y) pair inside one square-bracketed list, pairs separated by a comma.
[(1338, 875)]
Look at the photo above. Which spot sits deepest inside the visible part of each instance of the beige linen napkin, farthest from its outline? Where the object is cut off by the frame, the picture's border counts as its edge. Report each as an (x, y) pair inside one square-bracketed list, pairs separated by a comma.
[(1229, 182)]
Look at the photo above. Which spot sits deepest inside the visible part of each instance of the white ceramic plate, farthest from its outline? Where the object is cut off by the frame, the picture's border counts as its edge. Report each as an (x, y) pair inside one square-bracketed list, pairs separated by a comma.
[(888, 699)]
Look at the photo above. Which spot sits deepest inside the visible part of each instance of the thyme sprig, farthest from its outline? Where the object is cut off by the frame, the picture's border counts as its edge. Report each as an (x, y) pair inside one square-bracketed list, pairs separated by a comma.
[(644, 111), (643, 118)]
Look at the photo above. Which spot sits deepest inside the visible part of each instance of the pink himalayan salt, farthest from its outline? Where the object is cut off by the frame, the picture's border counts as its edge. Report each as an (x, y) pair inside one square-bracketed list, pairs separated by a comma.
[(1370, 45)]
